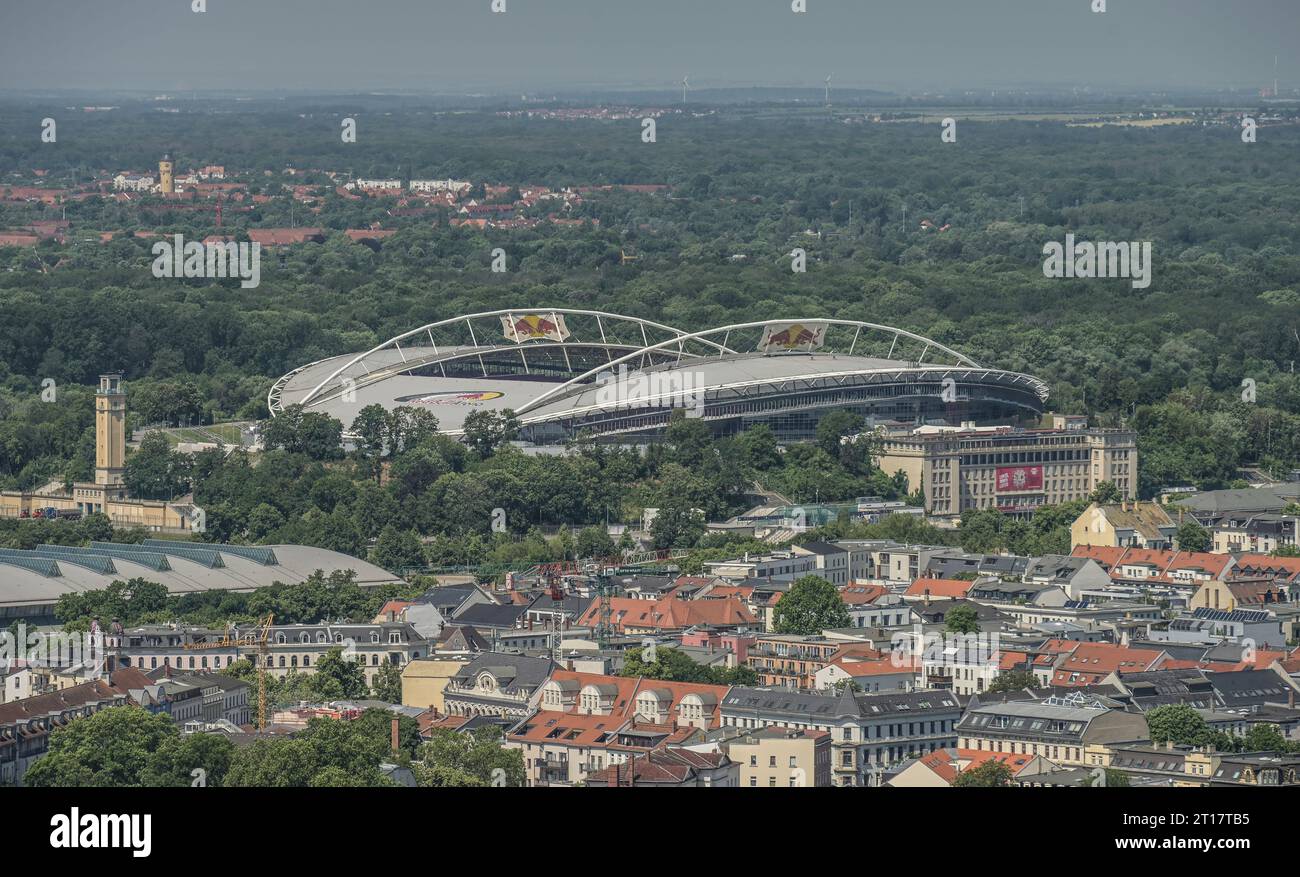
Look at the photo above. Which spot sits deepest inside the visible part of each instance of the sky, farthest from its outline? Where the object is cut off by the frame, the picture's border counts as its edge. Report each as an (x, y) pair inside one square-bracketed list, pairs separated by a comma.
[(461, 46)]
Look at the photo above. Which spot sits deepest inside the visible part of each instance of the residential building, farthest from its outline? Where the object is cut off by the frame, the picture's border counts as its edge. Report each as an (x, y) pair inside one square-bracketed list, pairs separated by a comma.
[(585, 722), (780, 564), (789, 660), (1059, 728), (831, 562), (670, 767), (496, 684), (774, 757), (669, 615), (1124, 525), (870, 733)]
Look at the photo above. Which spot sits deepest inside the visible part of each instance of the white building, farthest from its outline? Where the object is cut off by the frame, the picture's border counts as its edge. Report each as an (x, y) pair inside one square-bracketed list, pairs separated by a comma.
[(132, 183), (440, 186)]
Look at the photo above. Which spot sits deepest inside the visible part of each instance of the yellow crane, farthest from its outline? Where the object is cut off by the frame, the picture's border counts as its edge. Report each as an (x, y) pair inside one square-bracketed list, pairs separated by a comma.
[(258, 638)]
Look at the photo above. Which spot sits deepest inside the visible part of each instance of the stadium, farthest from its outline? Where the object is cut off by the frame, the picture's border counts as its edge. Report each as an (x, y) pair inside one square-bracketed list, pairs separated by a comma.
[(568, 373)]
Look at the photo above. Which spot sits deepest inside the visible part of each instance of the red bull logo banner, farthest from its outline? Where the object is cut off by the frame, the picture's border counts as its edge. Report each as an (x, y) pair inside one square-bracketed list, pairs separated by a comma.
[(1011, 479), (792, 336), (534, 327)]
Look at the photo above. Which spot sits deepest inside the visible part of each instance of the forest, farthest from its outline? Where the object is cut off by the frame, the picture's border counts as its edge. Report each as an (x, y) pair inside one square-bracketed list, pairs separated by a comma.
[(1169, 360)]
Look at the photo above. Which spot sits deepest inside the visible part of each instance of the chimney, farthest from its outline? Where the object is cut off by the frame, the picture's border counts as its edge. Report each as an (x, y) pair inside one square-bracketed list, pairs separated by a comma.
[(927, 596), (395, 736), (1290, 699)]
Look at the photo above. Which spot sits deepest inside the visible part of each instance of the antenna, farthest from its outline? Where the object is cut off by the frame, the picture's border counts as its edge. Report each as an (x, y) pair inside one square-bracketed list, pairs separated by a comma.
[(685, 85)]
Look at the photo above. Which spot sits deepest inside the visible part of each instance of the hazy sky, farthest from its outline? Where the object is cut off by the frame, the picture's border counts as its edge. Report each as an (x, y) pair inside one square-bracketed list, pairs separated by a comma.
[(459, 45)]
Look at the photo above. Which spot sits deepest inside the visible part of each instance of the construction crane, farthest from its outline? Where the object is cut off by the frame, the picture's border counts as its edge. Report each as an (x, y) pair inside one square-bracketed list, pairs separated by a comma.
[(258, 638)]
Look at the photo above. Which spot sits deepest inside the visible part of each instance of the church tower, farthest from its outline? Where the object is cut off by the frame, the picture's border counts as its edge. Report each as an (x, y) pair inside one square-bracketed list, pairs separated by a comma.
[(110, 431)]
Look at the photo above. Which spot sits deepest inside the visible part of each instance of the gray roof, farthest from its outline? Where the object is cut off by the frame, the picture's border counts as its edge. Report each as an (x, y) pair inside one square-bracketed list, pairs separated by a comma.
[(293, 564), (1249, 687), (481, 615), (810, 707), (513, 672), (1249, 499), (1057, 566), (947, 564)]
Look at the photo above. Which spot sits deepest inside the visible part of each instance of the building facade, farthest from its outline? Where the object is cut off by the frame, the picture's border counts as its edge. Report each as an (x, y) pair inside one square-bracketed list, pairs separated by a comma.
[(1009, 469)]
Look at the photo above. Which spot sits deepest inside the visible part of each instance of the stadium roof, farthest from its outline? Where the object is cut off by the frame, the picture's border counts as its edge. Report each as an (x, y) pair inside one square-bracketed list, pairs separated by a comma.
[(183, 569), (578, 370)]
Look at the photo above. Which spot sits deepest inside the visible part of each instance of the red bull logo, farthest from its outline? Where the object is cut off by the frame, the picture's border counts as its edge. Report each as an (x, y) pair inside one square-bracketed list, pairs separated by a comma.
[(795, 335), (533, 327), (471, 397)]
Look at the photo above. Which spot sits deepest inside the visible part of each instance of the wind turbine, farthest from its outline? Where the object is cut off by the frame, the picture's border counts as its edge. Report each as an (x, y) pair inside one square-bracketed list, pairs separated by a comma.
[(685, 85), (828, 90)]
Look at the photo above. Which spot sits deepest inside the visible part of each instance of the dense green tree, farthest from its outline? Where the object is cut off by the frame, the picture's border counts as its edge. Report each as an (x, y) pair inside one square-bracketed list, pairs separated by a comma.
[(111, 749), (155, 471), (1013, 680), (477, 755), (810, 606), (963, 618), (388, 683), (991, 774), (1191, 536)]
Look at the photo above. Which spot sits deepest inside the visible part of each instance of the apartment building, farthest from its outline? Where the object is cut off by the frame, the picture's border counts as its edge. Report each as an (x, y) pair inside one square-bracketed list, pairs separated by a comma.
[(788, 660), (830, 561), (291, 648), (589, 721), (1009, 469), (870, 733), (1058, 728), (783, 758), (495, 684)]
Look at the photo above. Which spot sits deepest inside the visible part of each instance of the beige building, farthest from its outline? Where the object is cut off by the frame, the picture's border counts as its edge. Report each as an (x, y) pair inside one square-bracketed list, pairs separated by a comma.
[(1124, 525), (775, 757), (1009, 469), (1059, 728), (424, 681), (107, 495)]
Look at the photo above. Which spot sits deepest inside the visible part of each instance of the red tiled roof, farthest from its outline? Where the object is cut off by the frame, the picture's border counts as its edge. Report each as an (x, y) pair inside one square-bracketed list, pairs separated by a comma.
[(940, 761), (939, 588), (669, 613), (859, 595), (1089, 663), (1164, 562), (971, 758)]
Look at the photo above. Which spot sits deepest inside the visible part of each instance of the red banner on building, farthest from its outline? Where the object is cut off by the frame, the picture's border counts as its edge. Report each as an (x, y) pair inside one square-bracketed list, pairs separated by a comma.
[(1012, 479)]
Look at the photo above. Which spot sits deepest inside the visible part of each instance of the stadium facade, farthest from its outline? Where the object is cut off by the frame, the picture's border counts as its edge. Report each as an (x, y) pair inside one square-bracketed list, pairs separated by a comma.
[(568, 373)]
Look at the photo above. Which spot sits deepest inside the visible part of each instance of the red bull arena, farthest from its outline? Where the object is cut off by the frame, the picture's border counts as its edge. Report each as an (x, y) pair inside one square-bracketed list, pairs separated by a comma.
[(570, 373)]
